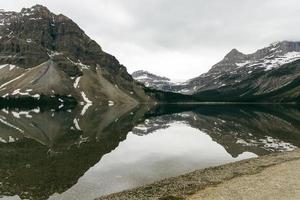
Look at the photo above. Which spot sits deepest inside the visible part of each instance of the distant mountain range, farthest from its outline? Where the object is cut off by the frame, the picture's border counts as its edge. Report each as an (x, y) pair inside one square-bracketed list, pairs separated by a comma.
[(47, 55), (270, 74), (157, 82), (44, 56)]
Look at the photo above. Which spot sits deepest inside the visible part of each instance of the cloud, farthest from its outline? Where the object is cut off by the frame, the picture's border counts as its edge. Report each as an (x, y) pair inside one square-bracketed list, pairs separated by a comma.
[(175, 38)]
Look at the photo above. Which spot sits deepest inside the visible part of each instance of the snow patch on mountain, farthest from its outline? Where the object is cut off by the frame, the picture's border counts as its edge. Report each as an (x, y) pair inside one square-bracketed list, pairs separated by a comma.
[(272, 61)]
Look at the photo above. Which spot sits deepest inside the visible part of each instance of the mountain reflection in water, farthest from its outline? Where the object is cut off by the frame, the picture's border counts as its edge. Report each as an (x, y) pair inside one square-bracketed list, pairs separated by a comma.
[(74, 155)]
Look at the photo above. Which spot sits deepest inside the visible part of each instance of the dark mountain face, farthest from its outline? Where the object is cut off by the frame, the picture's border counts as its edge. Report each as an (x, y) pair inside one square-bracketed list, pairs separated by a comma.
[(37, 31), (35, 36)]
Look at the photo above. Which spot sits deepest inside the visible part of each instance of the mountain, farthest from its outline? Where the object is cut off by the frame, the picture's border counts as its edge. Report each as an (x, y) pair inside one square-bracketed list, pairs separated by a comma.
[(47, 55), (157, 82), (271, 74)]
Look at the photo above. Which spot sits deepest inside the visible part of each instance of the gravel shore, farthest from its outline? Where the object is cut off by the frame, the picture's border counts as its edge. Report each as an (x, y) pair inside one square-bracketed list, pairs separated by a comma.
[(273, 176)]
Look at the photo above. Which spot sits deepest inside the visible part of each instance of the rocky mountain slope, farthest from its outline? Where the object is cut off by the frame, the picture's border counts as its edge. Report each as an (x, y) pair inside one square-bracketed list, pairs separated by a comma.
[(269, 74), (44, 54)]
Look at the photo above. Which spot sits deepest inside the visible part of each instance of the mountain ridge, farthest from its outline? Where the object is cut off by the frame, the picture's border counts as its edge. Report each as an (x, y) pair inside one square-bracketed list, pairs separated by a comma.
[(269, 74), (35, 36)]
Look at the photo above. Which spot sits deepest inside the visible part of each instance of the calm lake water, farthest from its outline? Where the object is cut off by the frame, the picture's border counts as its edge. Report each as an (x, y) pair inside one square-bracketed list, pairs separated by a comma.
[(84, 154)]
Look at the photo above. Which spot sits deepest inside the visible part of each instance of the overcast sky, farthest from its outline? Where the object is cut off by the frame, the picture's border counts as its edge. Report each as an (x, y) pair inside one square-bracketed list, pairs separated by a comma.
[(177, 38)]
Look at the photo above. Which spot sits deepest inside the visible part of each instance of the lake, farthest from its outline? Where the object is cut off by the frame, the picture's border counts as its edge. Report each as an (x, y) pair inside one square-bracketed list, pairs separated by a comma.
[(84, 153)]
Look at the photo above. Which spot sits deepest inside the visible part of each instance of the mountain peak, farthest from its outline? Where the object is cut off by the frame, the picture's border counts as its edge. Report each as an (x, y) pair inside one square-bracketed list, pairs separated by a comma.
[(33, 36), (146, 74), (36, 9), (233, 54)]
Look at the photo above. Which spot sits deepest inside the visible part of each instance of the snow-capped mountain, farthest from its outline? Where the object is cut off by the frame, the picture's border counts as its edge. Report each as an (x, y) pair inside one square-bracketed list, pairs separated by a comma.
[(157, 82), (44, 54), (236, 66), (269, 74)]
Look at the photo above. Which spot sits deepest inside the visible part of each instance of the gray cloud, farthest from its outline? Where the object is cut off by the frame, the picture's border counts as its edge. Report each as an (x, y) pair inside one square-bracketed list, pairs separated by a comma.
[(177, 38)]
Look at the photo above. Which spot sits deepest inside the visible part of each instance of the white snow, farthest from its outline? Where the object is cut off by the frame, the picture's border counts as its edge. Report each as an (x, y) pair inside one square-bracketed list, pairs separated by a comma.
[(88, 103), (268, 143), (2, 66), (244, 143), (9, 35), (184, 91), (2, 119), (271, 61), (33, 18), (54, 53), (36, 110), (76, 82), (85, 108), (2, 140), (141, 128), (142, 77), (279, 61), (111, 103), (17, 91), (5, 111), (36, 96), (272, 143), (17, 114), (242, 64), (75, 121), (10, 140), (11, 81), (85, 98), (81, 65), (11, 67)]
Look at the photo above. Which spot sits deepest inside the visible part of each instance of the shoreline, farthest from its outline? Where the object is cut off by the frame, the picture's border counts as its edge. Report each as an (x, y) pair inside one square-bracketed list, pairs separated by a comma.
[(187, 185)]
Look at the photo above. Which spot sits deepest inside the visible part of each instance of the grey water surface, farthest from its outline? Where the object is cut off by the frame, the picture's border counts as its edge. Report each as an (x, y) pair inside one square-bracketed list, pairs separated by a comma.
[(84, 154)]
